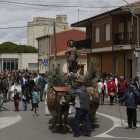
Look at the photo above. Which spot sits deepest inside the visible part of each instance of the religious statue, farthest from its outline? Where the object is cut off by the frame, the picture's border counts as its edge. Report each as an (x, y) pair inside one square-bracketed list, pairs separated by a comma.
[(72, 54)]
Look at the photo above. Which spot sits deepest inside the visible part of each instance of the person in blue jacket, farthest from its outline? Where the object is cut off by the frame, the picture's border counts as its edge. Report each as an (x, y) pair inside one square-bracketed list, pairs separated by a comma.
[(131, 103)]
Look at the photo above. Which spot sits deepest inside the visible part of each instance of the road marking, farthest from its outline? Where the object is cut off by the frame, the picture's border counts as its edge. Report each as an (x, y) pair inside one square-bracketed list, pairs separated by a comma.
[(117, 123), (7, 121)]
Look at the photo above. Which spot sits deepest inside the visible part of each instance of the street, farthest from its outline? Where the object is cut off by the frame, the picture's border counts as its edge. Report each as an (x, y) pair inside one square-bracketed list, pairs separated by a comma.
[(22, 125)]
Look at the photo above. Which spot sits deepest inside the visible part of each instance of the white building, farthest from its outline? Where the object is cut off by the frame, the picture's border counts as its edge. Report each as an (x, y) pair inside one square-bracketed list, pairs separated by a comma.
[(18, 61), (41, 26)]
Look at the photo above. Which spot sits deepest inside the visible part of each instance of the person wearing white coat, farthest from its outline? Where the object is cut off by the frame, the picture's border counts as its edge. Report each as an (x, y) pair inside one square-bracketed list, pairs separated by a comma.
[(46, 107), (102, 88), (16, 90)]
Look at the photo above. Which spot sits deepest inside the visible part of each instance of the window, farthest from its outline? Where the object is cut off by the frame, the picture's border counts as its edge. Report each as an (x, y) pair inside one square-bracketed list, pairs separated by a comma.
[(96, 34), (107, 32), (32, 65), (116, 64)]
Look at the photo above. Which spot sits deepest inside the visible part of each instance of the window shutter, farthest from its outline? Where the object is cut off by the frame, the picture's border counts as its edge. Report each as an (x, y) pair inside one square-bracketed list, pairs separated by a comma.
[(96, 34), (107, 32)]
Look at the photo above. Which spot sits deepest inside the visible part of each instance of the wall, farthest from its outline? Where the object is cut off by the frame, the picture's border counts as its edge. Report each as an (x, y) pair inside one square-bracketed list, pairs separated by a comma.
[(107, 61), (62, 38)]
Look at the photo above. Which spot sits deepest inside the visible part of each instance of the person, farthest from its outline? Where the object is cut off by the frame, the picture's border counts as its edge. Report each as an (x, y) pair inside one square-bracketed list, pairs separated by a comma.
[(5, 87), (131, 82), (16, 89), (122, 88), (9, 89), (111, 90), (25, 100), (137, 85), (131, 96), (116, 80), (41, 85), (82, 107), (102, 88), (35, 100), (46, 107), (23, 79)]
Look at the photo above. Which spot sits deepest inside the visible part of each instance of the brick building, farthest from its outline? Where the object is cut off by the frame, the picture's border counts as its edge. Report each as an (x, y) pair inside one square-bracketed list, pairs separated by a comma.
[(46, 47), (112, 38)]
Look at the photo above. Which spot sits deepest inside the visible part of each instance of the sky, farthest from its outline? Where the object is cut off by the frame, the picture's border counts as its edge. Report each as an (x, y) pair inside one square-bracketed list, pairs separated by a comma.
[(15, 13)]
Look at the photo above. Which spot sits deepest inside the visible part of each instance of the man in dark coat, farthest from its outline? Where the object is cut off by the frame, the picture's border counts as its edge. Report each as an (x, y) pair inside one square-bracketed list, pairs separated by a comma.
[(131, 103), (82, 107), (137, 85)]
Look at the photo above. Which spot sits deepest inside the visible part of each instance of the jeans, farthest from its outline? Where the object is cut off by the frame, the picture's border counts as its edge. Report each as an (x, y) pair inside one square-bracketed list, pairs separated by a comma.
[(5, 94), (79, 114), (102, 95), (121, 94), (25, 104), (131, 113), (41, 94)]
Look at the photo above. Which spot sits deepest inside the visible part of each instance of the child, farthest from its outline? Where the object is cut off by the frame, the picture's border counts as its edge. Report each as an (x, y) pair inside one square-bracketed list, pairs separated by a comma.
[(35, 100), (24, 99)]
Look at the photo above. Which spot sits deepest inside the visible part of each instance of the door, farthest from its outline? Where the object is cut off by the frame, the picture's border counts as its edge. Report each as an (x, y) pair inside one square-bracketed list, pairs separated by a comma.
[(121, 30), (129, 68), (129, 30)]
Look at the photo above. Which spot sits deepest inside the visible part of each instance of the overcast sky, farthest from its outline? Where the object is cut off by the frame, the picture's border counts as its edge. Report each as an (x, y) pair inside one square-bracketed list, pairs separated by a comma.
[(17, 15)]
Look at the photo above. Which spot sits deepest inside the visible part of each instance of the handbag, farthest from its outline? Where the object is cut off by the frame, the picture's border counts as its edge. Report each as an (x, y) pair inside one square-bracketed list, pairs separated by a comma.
[(112, 94)]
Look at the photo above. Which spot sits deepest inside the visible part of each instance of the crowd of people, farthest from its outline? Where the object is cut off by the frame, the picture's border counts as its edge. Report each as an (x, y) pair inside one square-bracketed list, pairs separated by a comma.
[(24, 86)]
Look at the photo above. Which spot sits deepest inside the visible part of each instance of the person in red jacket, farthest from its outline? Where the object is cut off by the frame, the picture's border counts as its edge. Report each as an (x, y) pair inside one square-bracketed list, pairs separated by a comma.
[(122, 88), (111, 88)]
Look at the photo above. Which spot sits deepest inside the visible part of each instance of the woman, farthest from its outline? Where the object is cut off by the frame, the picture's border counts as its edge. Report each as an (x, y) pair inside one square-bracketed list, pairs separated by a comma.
[(111, 90), (9, 90), (16, 90), (102, 88)]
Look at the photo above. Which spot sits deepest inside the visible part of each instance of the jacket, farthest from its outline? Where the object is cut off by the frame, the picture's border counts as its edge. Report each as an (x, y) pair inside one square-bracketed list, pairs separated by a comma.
[(122, 87), (131, 99), (18, 88), (100, 87), (111, 86), (82, 97), (41, 83), (5, 84), (73, 54), (35, 97)]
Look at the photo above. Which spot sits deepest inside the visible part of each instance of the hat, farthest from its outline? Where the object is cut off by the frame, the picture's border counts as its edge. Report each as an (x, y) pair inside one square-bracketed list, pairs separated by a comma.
[(78, 82), (16, 81), (121, 77), (132, 86), (111, 77)]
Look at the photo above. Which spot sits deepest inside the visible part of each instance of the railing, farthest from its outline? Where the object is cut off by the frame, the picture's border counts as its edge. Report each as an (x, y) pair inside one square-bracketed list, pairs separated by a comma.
[(123, 38), (83, 44)]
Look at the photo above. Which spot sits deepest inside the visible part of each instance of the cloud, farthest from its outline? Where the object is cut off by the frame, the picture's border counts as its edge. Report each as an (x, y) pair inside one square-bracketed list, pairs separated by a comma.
[(19, 15)]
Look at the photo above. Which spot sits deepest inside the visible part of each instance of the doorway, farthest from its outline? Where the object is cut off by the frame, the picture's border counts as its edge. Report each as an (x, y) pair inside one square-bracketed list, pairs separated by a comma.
[(129, 68)]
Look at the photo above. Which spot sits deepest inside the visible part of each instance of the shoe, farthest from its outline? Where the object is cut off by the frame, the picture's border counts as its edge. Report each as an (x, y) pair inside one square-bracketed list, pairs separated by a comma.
[(86, 135), (133, 127), (34, 115), (24, 110), (102, 103), (128, 127), (75, 135), (31, 109), (17, 110)]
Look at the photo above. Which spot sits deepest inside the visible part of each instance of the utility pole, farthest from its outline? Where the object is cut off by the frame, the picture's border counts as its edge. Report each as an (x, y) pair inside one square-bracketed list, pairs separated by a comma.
[(54, 40)]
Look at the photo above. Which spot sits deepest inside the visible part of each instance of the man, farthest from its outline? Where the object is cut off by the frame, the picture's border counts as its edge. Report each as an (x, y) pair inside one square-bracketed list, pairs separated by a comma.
[(137, 85), (23, 78), (41, 85), (131, 103), (5, 87), (82, 107), (116, 80), (122, 88)]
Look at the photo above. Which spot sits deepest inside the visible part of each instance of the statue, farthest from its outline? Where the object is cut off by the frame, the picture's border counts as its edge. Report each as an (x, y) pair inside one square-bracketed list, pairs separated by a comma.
[(72, 54)]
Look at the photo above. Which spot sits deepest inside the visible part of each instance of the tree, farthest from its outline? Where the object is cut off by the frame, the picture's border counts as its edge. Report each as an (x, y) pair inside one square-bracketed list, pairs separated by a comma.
[(89, 79), (10, 47)]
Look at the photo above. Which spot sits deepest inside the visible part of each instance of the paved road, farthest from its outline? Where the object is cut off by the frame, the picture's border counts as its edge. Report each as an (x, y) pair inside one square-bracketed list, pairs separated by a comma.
[(22, 125)]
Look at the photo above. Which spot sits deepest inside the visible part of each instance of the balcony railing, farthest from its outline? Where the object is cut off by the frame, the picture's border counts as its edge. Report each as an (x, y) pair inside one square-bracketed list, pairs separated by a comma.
[(123, 38), (83, 44)]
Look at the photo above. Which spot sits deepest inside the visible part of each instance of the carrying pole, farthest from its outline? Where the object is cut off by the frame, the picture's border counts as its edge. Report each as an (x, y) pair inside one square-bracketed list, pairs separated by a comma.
[(120, 115)]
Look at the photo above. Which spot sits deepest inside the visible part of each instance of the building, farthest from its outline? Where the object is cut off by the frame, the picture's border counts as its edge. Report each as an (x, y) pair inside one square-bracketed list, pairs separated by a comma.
[(112, 38), (18, 61), (42, 26), (46, 47)]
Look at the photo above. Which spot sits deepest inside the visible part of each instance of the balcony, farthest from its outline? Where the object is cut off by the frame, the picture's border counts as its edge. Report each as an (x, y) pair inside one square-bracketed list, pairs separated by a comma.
[(84, 45), (123, 38)]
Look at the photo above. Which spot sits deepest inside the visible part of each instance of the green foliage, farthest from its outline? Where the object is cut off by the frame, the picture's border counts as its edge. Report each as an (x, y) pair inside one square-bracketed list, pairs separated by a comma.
[(9, 47), (56, 78), (89, 79)]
